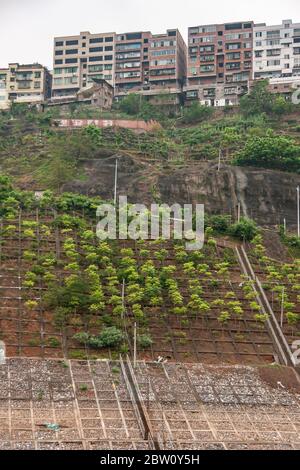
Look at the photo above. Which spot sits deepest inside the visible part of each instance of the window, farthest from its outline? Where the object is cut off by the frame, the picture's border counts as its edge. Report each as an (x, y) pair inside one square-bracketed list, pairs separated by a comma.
[(58, 71), (297, 51), (58, 52), (233, 55), (258, 34), (273, 52), (159, 72), (37, 84), (272, 63), (71, 51), (108, 66), (258, 43), (96, 40), (72, 70), (130, 55), (155, 44), (207, 48), (126, 47), (296, 40), (59, 43), (273, 42), (58, 62), (230, 26), (233, 65), (58, 81), (233, 46), (37, 74), (73, 42), (128, 74), (109, 39), (108, 48), (95, 68), (207, 39), (207, 68), (232, 37), (247, 55), (96, 59), (207, 58), (70, 80), (259, 53), (71, 61), (108, 57), (128, 65), (162, 62), (131, 36), (247, 45), (273, 34), (95, 49)]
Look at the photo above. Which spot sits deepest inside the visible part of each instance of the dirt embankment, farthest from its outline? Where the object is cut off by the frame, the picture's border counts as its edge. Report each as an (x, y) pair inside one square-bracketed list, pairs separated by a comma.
[(264, 195)]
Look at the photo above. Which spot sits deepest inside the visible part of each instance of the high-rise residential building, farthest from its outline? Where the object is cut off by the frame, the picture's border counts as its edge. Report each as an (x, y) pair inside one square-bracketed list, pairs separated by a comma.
[(80, 59), (276, 50), (150, 63), (29, 83), (132, 62), (220, 58)]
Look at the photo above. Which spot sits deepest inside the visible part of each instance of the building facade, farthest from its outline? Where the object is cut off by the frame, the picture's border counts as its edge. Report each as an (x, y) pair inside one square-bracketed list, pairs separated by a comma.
[(276, 51), (131, 62), (220, 60), (80, 59), (30, 83)]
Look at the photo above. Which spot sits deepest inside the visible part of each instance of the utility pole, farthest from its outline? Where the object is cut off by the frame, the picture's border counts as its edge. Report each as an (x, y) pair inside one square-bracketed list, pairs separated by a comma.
[(134, 345), (123, 298), (239, 212), (220, 155), (298, 210), (282, 308), (116, 183)]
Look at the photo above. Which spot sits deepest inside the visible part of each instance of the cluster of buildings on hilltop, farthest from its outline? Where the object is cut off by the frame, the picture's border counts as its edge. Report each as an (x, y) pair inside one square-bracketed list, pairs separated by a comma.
[(218, 65)]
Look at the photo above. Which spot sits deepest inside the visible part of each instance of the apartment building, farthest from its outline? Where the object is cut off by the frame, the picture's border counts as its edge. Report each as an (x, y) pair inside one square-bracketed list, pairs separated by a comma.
[(4, 101), (29, 83), (132, 61), (78, 60), (149, 64), (276, 51), (220, 59)]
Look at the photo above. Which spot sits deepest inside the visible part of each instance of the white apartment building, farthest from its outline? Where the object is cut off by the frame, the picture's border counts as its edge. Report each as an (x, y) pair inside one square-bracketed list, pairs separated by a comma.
[(4, 101), (276, 51), (80, 59)]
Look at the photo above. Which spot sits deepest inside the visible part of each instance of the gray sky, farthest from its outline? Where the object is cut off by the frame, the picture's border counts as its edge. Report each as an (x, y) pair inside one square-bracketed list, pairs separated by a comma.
[(27, 27)]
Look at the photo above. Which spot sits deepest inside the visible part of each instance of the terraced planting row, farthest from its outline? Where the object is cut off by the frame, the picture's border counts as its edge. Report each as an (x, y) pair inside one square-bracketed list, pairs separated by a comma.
[(65, 293), (281, 282)]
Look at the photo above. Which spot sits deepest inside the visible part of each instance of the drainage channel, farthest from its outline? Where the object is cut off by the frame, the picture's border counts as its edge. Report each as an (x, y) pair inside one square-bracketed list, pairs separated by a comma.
[(285, 355), (139, 407)]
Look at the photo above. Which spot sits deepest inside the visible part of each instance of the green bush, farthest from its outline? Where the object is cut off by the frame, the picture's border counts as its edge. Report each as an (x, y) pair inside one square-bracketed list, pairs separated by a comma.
[(244, 230)]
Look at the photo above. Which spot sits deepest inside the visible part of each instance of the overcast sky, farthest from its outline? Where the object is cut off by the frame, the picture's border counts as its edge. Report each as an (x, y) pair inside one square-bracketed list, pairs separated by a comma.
[(27, 27)]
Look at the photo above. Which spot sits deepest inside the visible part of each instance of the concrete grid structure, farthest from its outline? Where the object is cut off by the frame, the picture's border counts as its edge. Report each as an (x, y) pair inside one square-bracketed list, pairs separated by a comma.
[(219, 62), (80, 59), (30, 83)]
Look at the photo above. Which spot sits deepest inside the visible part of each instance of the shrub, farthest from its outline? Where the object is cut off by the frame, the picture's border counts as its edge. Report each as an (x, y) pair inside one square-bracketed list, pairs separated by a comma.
[(197, 113), (244, 230)]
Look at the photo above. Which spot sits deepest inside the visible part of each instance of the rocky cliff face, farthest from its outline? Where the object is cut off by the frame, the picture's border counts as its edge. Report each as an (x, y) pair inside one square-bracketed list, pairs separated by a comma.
[(264, 195)]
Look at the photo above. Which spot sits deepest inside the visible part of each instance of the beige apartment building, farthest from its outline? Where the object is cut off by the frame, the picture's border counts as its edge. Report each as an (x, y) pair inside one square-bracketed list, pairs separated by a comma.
[(29, 83), (78, 60)]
